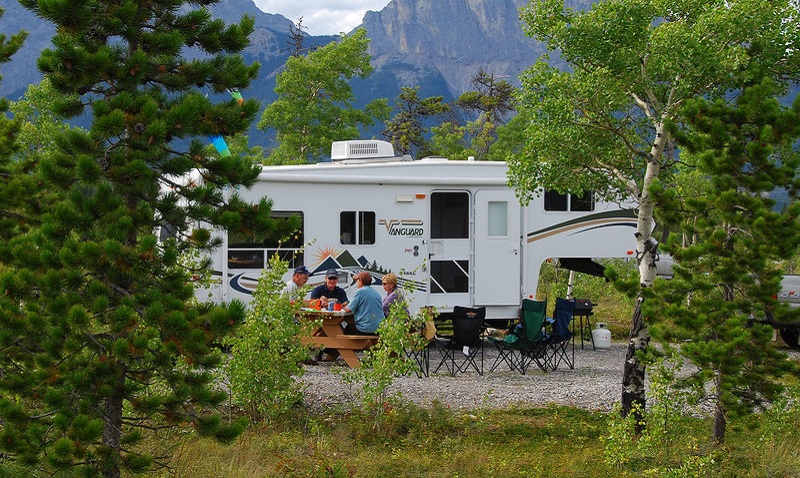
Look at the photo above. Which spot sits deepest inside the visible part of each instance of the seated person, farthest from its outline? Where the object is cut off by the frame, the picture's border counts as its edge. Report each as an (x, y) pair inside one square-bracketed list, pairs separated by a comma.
[(393, 294), (292, 287), (329, 290), (366, 307)]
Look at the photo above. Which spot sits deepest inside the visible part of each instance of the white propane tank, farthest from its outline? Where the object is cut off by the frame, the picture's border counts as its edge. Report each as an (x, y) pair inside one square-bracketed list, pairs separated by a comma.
[(601, 337)]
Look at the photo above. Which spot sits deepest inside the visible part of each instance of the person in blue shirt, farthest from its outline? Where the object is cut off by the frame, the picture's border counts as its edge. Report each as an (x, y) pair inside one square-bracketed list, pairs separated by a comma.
[(366, 306)]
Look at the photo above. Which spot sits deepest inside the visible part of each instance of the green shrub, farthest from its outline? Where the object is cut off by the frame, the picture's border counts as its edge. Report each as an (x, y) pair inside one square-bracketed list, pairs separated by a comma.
[(667, 446), (266, 358), (387, 359)]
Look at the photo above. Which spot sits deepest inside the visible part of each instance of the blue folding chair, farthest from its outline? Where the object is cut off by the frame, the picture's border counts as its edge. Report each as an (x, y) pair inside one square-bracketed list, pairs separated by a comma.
[(561, 340)]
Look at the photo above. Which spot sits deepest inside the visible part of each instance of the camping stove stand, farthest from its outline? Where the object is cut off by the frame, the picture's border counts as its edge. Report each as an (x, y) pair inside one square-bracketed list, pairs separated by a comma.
[(583, 310)]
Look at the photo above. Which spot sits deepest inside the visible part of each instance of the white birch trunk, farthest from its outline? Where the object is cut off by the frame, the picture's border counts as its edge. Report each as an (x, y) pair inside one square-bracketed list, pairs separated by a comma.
[(633, 379)]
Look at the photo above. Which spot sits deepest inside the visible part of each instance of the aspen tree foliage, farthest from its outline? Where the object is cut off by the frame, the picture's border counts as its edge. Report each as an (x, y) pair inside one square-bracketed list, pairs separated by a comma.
[(315, 104), (601, 122)]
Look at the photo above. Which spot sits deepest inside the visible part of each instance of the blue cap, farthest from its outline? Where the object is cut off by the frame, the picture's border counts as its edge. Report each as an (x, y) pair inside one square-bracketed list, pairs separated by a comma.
[(301, 270), (331, 273)]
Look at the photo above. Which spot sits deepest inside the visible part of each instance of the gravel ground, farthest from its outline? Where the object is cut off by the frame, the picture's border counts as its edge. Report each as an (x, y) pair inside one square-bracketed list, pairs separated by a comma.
[(594, 384)]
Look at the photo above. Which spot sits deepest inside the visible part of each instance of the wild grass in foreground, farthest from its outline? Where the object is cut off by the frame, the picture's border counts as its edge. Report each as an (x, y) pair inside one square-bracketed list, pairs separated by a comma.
[(409, 441)]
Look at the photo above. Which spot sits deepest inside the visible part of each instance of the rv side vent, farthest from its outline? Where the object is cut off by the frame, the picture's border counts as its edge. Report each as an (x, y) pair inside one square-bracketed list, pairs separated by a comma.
[(361, 149)]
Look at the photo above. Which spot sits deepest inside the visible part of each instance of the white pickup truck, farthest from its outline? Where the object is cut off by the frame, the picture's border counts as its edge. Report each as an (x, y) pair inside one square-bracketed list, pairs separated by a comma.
[(790, 293)]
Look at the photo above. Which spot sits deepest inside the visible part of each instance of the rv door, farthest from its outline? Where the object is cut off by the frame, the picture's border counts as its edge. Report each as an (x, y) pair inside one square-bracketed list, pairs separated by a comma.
[(449, 249), (497, 248)]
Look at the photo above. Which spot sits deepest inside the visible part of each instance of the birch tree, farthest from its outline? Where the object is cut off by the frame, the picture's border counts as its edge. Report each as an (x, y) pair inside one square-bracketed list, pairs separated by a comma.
[(601, 122)]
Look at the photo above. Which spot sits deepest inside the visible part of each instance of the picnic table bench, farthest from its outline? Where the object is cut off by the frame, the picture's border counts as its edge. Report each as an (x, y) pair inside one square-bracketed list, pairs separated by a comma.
[(330, 335)]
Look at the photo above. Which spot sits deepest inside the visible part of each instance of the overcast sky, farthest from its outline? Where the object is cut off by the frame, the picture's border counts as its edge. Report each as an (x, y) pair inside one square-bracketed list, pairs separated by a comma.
[(323, 17)]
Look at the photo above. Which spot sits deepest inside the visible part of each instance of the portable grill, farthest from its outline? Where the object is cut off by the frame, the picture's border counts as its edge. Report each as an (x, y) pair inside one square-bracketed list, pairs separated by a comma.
[(583, 312)]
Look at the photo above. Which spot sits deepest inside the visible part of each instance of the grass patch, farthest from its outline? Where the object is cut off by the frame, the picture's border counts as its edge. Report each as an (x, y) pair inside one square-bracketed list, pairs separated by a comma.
[(409, 441)]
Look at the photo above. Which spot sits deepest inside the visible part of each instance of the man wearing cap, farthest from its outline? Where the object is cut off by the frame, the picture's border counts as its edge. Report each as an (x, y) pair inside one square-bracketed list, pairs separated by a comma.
[(299, 279), (329, 290)]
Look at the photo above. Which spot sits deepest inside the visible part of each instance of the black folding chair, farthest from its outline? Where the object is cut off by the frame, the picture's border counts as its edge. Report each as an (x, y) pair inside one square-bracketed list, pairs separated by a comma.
[(463, 350), (422, 340), (420, 353)]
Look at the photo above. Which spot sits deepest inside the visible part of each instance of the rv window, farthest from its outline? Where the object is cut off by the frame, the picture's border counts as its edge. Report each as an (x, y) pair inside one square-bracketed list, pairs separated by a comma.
[(498, 219), (450, 215), (357, 227), (244, 238), (366, 233), (347, 227), (554, 201), (289, 249), (246, 259), (584, 202), (449, 277)]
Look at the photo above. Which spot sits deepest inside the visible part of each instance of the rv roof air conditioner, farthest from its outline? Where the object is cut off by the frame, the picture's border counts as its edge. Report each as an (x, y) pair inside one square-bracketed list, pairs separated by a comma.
[(361, 149)]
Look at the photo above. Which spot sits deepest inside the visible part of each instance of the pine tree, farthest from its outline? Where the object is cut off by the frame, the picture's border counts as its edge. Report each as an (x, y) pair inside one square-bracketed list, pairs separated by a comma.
[(297, 36), (493, 100), (9, 129), (103, 341), (406, 130), (728, 249)]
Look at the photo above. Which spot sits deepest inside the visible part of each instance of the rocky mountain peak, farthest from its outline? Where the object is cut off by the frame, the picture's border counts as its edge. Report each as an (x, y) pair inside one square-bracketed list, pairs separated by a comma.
[(452, 37), (438, 45)]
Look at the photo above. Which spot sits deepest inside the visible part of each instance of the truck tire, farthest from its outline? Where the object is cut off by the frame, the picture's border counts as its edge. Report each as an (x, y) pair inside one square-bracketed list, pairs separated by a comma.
[(790, 337)]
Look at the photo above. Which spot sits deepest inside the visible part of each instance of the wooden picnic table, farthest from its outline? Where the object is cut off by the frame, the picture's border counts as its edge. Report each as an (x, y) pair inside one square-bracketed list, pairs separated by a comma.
[(331, 336)]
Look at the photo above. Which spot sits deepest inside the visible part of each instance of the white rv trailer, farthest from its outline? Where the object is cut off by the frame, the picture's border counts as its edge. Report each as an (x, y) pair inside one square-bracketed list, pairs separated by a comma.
[(452, 231)]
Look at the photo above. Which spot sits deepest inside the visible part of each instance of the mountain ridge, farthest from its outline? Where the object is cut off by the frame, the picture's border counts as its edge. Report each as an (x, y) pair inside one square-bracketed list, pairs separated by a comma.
[(487, 34), (410, 44)]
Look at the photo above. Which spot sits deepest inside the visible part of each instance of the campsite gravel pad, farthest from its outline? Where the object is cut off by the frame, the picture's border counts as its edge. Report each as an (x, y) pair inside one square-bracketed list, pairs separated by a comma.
[(594, 384)]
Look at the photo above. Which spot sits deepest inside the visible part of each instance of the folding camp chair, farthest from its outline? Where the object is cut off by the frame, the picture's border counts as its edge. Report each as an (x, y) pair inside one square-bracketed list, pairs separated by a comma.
[(420, 349), (562, 336), (464, 349), (422, 357), (507, 350), (534, 347), (529, 346)]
